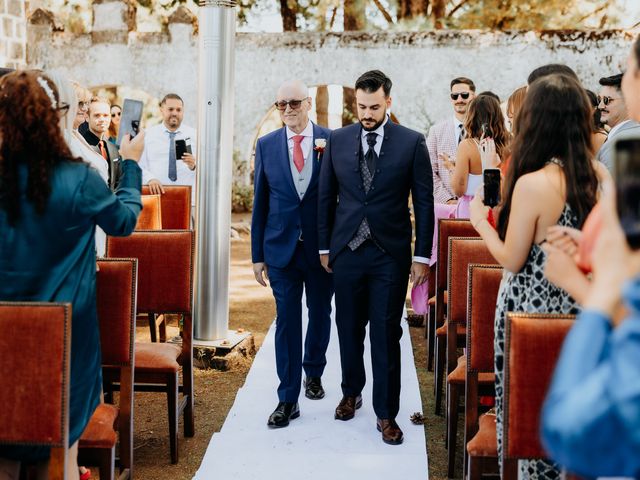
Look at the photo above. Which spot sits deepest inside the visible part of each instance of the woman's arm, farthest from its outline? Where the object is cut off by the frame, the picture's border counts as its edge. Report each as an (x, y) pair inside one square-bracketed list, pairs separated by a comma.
[(460, 174)]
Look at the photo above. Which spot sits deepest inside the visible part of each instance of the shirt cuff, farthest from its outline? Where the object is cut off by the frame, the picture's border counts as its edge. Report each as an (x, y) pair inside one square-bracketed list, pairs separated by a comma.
[(324, 252), (421, 260)]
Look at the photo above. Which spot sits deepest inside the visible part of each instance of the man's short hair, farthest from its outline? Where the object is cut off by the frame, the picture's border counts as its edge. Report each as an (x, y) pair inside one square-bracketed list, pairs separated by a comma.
[(465, 81), (96, 99), (171, 96), (4, 71), (550, 69), (372, 80), (612, 81)]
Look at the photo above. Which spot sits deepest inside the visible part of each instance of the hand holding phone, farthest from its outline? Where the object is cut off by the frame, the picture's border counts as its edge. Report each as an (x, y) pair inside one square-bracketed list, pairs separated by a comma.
[(491, 177), (130, 120)]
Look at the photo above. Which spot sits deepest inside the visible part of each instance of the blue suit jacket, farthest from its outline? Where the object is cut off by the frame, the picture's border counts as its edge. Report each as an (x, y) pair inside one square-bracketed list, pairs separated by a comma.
[(403, 168), (279, 216)]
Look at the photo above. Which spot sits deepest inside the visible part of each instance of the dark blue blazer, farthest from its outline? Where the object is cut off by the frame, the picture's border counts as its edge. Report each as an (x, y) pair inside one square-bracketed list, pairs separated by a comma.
[(403, 168), (279, 216)]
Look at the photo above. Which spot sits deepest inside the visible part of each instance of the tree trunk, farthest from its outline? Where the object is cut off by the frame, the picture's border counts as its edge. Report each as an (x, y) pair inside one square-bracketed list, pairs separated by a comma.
[(288, 10), (438, 13), (409, 9), (322, 106), (354, 15), (349, 111)]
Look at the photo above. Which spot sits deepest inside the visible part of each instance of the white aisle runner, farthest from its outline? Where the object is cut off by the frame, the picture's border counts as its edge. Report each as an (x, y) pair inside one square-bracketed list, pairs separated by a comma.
[(315, 446)]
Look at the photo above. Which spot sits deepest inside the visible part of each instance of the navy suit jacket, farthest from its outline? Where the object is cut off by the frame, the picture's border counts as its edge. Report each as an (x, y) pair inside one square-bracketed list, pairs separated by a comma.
[(403, 168), (279, 216)]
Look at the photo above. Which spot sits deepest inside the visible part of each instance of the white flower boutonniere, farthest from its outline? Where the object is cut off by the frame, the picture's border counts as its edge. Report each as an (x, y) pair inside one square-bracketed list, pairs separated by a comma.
[(319, 146)]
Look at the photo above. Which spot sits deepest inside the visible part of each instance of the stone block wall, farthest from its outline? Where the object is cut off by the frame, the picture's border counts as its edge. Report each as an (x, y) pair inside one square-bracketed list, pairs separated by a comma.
[(13, 33)]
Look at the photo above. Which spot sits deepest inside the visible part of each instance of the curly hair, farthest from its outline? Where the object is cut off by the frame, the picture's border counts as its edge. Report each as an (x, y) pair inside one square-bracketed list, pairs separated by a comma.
[(31, 135), (484, 111)]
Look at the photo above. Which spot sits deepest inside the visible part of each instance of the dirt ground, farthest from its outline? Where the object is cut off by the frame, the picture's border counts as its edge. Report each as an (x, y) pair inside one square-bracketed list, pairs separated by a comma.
[(251, 308)]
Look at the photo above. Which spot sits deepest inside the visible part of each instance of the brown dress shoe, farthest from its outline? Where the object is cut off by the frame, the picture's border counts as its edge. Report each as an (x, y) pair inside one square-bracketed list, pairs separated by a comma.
[(391, 433), (347, 407)]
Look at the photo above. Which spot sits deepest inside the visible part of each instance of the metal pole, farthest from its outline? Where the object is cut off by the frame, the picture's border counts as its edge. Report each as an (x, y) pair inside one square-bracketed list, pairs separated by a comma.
[(216, 41)]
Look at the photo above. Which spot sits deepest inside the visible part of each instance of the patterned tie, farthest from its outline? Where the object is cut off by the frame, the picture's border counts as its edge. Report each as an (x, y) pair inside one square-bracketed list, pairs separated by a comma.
[(298, 156), (462, 135), (103, 151), (173, 173)]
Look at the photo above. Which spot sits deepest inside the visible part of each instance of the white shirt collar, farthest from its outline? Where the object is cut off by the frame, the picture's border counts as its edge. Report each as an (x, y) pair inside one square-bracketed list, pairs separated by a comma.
[(618, 127), (457, 123), (307, 132), (379, 131)]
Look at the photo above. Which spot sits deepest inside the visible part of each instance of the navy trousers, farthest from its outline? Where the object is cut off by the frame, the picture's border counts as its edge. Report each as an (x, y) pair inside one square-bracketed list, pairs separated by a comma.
[(371, 287), (287, 285)]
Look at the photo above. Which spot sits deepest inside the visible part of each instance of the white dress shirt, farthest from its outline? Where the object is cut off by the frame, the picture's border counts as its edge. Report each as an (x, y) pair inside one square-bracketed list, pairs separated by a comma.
[(154, 161), (377, 147)]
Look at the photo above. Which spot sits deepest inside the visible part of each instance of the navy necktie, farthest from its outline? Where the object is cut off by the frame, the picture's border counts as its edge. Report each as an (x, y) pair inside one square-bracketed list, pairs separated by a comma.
[(371, 157), (173, 173)]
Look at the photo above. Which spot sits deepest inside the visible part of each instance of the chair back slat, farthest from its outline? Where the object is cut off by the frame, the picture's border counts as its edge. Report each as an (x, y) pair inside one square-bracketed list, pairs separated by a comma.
[(482, 295), (449, 227), (176, 206), (532, 348), (462, 252), (165, 268), (150, 217), (116, 297), (35, 348)]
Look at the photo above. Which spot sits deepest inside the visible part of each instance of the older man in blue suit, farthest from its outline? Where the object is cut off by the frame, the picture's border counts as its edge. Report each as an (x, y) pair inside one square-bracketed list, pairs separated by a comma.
[(373, 167), (284, 247)]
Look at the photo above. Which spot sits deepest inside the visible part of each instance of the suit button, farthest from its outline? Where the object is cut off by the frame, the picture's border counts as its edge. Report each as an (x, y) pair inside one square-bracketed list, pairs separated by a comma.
[(378, 171), (373, 188), (359, 187), (355, 169), (366, 203)]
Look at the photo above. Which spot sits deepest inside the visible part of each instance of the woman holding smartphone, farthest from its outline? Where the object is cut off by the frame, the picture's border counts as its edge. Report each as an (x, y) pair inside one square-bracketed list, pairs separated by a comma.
[(551, 180), (487, 141)]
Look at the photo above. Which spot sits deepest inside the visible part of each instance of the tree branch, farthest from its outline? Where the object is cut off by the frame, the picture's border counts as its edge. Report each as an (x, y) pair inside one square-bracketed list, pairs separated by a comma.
[(607, 4), (455, 9), (384, 12)]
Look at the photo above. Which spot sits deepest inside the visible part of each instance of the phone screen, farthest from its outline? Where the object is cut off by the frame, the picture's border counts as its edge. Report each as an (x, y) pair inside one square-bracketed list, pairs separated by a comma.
[(130, 120), (491, 177), (627, 177)]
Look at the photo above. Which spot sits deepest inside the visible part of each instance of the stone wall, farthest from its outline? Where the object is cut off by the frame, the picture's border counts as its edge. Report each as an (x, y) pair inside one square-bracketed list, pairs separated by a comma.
[(421, 64), (13, 33)]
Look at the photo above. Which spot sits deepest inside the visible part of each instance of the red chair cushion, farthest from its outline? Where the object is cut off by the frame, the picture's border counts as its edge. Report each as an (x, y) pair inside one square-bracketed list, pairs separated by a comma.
[(157, 357), (459, 374), (484, 443), (100, 431), (461, 330)]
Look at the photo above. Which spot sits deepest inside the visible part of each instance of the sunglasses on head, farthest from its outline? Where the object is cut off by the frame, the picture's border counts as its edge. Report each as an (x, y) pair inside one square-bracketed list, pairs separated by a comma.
[(116, 114), (606, 100), (464, 95), (294, 104)]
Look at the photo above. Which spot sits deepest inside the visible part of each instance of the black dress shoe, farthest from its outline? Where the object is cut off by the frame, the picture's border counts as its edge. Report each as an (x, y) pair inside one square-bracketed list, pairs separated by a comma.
[(284, 412), (347, 407), (313, 388)]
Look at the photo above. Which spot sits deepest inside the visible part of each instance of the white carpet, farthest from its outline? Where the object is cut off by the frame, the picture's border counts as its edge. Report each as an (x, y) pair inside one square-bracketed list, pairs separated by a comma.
[(315, 445)]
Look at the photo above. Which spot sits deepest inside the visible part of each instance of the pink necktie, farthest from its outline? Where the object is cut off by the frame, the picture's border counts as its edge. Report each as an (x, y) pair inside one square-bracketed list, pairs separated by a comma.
[(298, 156)]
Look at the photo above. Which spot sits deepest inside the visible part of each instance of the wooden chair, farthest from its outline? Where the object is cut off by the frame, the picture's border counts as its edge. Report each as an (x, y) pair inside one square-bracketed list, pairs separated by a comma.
[(532, 348), (35, 348), (151, 215), (482, 449), (176, 206), (436, 345), (116, 297), (462, 252), (165, 284)]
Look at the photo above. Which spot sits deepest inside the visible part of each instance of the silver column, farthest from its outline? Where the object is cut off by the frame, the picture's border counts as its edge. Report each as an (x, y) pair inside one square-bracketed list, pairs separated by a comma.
[(216, 42)]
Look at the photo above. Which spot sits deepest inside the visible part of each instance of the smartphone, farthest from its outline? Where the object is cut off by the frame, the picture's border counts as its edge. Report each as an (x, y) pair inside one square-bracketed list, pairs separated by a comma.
[(627, 177), (130, 120), (182, 148), (491, 177)]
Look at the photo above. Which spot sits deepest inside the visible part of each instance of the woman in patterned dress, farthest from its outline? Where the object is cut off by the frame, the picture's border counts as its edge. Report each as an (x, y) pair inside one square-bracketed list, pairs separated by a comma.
[(552, 180)]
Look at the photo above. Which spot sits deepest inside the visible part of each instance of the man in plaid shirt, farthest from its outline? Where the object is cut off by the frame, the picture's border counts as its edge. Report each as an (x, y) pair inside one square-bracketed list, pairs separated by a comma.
[(445, 136)]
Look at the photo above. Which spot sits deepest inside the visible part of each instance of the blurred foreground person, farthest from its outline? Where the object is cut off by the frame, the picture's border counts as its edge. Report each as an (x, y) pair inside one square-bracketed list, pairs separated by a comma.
[(50, 204)]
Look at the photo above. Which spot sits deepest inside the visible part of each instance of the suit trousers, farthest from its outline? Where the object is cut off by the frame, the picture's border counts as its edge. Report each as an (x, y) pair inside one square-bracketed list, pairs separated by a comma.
[(287, 285), (371, 287)]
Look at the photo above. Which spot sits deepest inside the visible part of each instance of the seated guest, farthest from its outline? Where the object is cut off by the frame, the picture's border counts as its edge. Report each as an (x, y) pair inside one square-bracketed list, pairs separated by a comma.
[(51, 204), (551, 180)]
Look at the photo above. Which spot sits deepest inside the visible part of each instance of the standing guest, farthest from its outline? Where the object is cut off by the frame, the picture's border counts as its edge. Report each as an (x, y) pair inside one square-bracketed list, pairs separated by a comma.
[(591, 417), (52, 204), (114, 126), (99, 119), (552, 180), (366, 239), (445, 136), (613, 113), (284, 247), (551, 69), (159, 163), (599, 135), (514, 105), (486, 131)]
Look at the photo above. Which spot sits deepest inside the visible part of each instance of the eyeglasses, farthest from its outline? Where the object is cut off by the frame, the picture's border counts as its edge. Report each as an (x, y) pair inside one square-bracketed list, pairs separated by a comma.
[(606, 100), (294, 104), (63, 108), (116, 114), (83, 106), (464, 95)]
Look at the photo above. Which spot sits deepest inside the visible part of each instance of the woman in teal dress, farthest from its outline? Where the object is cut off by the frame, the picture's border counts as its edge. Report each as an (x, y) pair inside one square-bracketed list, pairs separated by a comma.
[(50, 204)]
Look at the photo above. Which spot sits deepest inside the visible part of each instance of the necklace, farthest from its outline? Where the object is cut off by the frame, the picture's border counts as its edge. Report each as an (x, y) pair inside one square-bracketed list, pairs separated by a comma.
[(555, 161)]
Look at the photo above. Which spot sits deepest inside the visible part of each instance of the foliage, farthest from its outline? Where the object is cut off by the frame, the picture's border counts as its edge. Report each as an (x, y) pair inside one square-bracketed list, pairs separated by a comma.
[(241, 194)]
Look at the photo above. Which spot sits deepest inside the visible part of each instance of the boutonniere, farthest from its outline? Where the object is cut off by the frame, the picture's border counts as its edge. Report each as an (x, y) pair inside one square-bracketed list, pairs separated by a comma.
[(319, 146)]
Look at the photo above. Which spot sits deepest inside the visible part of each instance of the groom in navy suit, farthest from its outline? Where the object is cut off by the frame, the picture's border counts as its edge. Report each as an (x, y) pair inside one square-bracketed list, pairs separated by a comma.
[(284, 247), (372, 167)]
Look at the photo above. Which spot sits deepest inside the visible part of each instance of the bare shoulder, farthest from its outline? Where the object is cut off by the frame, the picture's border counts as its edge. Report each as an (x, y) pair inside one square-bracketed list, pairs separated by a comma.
[(534, 183), (601, 171)]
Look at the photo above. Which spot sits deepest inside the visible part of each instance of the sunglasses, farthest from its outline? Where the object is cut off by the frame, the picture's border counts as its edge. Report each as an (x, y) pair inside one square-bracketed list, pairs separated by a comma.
[(606, 100), (116, 114), (294, 104), (464, 95)]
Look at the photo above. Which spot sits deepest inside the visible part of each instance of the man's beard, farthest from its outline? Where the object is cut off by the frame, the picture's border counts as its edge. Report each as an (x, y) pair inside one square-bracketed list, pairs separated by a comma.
[(377, 124)]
